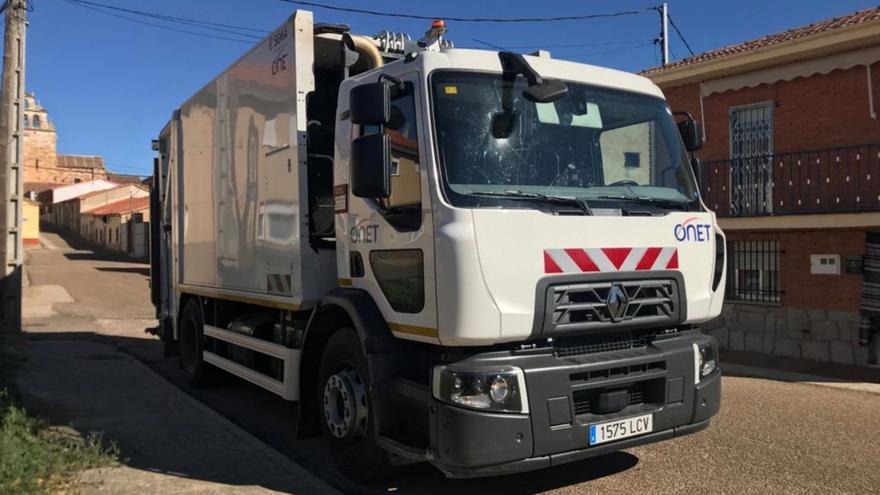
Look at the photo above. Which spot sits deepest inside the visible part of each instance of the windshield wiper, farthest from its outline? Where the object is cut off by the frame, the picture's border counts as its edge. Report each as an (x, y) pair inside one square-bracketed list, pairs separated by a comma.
[(548, 198), (644, 199)]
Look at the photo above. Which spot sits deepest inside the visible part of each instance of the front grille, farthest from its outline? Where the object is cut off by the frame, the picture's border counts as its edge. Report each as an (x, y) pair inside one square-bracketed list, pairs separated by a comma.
[(592, 344), (585, 401), (648, 393), (624, 303)]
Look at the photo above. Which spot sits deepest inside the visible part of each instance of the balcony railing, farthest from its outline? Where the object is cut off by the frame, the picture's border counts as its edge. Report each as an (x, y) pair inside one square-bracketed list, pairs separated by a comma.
[(832, 180)]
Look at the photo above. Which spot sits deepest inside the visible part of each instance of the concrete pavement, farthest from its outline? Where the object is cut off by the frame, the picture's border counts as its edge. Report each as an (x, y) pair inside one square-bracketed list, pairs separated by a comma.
[(77, 374), (771, 436)]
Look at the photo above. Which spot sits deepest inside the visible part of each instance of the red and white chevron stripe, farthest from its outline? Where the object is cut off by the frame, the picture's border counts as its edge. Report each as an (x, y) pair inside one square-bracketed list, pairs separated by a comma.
[(578, 260)]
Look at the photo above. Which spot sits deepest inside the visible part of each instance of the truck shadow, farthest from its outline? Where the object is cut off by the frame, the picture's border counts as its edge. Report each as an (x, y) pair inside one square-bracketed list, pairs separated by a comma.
[(272, 421)]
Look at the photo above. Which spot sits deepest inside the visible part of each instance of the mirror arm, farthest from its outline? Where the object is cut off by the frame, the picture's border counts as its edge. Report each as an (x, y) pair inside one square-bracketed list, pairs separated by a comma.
[(686, 115), (696, 165), (516, 63), (395, 81)]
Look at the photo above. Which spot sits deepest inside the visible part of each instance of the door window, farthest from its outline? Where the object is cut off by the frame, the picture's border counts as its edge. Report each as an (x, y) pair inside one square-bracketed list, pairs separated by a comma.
[(403, 208)]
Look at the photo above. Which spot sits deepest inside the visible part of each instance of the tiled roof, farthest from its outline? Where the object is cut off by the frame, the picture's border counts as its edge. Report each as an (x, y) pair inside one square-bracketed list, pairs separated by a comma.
[(80, 161), (860, 17), (99, 192), (122, 206), (123, 178)]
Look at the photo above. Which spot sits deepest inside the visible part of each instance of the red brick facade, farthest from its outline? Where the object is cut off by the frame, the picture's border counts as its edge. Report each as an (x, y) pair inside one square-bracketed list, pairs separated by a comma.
[(820, 111), (815, 91), (802, 290), (817, 112)]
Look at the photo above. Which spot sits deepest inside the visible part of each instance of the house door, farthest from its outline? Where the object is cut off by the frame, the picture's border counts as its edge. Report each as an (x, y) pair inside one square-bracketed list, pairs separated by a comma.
[(751, 161)]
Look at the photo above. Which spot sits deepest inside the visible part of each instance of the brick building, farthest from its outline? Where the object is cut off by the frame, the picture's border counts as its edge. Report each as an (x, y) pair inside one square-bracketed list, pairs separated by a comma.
[(42, 163), (791, 165)]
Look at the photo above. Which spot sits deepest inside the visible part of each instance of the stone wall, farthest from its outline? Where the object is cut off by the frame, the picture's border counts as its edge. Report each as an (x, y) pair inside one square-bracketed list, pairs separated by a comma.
[(814, 334), (40, 158)]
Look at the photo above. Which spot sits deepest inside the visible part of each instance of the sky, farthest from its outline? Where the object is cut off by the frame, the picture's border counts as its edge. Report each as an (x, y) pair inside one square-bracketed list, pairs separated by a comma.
[(111, 84)]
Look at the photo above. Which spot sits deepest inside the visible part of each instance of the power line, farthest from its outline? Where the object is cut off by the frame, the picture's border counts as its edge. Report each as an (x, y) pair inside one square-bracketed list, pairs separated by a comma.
[(220, 27), (469, 19), (160, 26), (492, 45), (568, 45), (680, 36), (618, 50)]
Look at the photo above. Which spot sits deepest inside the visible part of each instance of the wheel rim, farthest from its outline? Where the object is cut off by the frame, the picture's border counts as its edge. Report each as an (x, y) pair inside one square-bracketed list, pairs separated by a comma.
[(345, 404)]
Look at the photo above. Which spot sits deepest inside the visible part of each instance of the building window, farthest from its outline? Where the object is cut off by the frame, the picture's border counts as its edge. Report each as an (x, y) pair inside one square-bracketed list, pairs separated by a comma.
[(36, 121), (753, 271), (631, 159), (26, 121), (751, 160)]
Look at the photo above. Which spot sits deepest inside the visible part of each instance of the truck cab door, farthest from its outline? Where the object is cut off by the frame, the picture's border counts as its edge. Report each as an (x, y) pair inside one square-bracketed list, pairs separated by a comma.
[(385, 245)]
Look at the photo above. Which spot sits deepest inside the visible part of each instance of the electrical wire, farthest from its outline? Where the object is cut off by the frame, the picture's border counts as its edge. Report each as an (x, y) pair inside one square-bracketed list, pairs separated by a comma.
[(680, 36), (160, 26), (398, 15), (568, 45), (220, 27), (606, 52)]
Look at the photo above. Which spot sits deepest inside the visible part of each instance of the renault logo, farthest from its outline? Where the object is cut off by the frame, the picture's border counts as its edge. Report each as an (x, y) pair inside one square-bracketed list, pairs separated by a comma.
[(617, 302)]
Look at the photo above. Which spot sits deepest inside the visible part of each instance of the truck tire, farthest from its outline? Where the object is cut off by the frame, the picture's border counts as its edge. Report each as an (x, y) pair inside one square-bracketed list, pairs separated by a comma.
[(191, 344), (346, 407), (170, 347)]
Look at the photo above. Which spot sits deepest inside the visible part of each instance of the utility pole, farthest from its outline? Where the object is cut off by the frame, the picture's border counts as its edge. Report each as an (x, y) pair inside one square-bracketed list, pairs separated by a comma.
[(664, 31), (11, 169)]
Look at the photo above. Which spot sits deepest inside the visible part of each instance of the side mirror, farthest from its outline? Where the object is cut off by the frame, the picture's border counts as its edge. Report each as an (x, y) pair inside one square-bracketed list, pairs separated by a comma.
[(548, 91), (370, 104), (691, 133), (371, 166)]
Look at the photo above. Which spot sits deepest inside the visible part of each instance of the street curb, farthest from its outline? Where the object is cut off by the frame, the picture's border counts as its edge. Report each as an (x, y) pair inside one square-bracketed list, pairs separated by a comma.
[(789, 376), (316, 485)]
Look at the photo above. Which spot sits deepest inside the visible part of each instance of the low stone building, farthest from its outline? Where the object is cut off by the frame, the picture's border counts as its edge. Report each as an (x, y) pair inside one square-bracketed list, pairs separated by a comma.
[(119, 225)]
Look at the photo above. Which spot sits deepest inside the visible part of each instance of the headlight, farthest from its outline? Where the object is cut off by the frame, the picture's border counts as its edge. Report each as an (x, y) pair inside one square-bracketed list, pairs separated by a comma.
[(496, 390), (705, 359)]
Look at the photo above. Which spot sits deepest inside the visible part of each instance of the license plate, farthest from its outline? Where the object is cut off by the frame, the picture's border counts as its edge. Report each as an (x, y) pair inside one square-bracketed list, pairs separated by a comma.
[(621, 428)]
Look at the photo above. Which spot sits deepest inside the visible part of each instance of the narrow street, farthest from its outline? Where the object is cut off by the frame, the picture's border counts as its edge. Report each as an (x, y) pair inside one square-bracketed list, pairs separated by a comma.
[(770, 436)]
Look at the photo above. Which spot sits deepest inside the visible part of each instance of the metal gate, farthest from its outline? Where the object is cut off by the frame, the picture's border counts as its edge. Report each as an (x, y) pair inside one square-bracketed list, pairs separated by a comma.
[(751, 160)]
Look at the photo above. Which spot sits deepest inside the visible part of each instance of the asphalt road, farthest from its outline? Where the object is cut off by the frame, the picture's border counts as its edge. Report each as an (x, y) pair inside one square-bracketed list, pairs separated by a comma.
[(770, 437)]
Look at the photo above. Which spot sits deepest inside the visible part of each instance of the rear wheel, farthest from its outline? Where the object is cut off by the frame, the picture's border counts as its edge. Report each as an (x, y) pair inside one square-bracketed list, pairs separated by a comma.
[(346, 408), (191, 344)]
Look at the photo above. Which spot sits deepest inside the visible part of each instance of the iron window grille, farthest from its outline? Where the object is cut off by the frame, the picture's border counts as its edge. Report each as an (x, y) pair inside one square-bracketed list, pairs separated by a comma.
[(753, 271)]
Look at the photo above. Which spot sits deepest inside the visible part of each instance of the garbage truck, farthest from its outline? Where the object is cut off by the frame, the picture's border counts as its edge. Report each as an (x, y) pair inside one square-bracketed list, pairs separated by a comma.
[(489, 261)]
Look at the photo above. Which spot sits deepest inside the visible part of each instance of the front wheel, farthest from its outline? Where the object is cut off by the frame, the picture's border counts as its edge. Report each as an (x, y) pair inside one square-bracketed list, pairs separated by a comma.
[(191, 344), (346, 407)]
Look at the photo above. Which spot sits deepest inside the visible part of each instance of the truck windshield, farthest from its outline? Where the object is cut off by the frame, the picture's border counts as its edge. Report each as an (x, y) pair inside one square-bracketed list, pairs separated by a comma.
[(595, 145)]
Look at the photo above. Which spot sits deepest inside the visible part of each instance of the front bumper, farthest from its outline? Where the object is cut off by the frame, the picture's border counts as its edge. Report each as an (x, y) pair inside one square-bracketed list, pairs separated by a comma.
[(563, 401)]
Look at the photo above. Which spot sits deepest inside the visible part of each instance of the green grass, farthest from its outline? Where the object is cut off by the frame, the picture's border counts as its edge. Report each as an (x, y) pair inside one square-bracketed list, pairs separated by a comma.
[(34, 456)]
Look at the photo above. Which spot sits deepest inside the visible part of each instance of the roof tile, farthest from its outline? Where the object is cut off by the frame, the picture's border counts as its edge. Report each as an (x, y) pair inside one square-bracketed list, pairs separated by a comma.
[(862, 16), (121, 206), (80, 161)]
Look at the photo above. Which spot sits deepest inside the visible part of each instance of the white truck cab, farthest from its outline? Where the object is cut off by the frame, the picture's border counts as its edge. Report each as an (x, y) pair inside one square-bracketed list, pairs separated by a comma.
[(489, 261)]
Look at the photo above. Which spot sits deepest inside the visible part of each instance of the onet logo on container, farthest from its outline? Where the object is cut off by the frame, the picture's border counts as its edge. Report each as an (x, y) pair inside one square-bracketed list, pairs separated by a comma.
[(694, 232)]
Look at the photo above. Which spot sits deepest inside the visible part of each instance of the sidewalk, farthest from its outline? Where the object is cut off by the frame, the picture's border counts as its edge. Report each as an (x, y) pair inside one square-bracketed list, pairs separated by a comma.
[(170, 443)]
